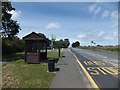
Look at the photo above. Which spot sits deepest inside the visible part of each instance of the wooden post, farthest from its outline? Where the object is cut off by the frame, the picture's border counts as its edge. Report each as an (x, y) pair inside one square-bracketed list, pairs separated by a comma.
[(25, 52), (46, 50), (59, 51)]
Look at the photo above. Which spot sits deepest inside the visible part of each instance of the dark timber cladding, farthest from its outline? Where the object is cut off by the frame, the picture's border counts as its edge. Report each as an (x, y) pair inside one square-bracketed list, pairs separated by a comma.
[(35, 48)]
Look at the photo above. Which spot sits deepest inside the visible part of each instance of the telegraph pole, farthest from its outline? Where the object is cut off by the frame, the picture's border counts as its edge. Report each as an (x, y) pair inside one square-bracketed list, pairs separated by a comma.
[(91, 44)]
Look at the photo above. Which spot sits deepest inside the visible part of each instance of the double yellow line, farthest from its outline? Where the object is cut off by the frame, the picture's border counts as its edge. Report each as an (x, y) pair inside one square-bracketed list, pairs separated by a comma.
[(87, 74)]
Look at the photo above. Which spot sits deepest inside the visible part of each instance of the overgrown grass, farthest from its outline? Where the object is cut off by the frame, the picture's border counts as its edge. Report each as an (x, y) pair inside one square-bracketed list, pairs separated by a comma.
[(102, 48), (17, 74)]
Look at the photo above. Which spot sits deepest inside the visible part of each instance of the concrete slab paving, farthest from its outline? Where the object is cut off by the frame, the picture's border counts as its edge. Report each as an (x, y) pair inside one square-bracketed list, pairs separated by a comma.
[(70, 75)]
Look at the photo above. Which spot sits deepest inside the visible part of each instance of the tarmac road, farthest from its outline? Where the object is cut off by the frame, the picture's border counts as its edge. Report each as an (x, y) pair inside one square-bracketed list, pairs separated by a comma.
[(101, 66)]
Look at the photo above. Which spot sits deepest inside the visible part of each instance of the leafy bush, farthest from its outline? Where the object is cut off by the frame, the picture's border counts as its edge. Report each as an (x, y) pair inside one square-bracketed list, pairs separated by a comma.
[(12, 45)]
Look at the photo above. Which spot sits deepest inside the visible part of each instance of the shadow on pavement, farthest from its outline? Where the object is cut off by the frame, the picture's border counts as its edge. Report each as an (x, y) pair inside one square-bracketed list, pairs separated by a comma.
[(57, 69)]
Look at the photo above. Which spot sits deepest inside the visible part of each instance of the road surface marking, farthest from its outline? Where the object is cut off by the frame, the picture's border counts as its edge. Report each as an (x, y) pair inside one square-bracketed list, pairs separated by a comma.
[(114, 70), (85, 62), (87, 74), (93, 63), (107, 70), (103, 70), (93, 71)]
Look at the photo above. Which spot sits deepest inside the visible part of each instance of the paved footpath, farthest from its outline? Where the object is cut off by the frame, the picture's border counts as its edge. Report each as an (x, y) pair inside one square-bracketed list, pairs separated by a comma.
[(70, 74)]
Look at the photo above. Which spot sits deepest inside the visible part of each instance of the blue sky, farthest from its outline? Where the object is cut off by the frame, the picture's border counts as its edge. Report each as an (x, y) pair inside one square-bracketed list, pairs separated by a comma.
[(78, 21)]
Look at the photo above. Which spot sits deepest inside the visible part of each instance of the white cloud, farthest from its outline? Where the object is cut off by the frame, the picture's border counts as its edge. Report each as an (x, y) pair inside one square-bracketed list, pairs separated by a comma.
[(114, 17), (92, 36), (53, 26), (115, 34), (81, 36), (99, 37), (101, 34), (106, 13), (86, 36), (15, 14), (97, 10), (92, 7), (114, 14), (112, 36), (107, 36), (115, 24)]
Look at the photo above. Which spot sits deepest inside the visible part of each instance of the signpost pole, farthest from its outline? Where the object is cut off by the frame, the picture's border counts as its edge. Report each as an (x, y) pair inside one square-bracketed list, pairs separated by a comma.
[(59, 51)]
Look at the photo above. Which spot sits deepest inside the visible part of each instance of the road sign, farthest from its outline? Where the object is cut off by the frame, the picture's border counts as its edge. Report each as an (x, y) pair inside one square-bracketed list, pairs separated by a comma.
[(53, 37)]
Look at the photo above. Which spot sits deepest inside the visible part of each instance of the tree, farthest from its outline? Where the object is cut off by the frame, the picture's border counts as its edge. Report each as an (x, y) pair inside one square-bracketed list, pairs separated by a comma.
[(61, 43), (73, 44), (9, 27), (66, 42), (76, 44), (42, 35), (92, 42), (48, 40), (12, 45)]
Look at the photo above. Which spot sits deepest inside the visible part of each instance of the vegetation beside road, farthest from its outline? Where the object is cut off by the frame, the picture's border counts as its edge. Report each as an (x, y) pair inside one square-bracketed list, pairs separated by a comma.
[(17, 74), (14, 55), (20, 55), (55, 54), (102, 48)]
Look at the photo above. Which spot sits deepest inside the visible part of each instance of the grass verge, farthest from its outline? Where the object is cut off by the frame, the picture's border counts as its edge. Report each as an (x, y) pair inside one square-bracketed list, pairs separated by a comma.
[(17, 74), (54, 54)]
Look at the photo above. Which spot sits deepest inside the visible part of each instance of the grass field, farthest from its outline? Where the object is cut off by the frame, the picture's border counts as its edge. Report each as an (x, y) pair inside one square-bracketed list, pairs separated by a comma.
[(17, 74), (102, 48)]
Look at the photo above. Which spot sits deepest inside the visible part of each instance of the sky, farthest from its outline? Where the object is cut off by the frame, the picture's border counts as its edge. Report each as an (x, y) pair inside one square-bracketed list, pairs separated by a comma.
[(77, 21)]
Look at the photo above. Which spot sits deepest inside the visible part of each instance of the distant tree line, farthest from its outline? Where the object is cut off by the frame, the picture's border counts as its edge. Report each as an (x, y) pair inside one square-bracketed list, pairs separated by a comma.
[(61, 43), (76, 44)]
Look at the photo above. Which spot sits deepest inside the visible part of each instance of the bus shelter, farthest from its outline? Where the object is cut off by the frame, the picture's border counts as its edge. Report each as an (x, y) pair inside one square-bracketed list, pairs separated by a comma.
[(35, 48)]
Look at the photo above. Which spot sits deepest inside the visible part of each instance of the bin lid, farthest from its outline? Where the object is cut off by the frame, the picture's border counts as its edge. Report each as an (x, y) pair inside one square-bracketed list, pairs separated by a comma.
[(52, 59)]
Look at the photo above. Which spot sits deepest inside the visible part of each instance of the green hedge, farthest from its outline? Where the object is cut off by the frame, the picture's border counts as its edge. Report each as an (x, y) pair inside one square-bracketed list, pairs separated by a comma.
[(12, 45)]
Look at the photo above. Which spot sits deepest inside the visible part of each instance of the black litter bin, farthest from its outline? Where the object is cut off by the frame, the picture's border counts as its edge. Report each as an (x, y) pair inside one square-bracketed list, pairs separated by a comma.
[(51, 65)]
